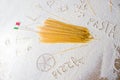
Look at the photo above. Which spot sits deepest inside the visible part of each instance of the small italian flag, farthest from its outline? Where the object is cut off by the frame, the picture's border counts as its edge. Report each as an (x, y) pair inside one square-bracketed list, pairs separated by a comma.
[(17, 25)]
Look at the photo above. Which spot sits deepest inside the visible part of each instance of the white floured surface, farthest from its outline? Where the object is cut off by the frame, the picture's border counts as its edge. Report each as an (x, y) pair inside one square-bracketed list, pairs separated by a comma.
[(23, 57)]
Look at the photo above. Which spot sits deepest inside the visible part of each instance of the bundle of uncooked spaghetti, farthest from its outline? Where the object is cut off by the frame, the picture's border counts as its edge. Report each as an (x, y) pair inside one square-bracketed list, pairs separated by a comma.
[(54, 31)]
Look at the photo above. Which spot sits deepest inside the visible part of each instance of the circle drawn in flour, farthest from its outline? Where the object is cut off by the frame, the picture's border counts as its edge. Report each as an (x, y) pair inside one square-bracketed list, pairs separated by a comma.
[(45, 62)]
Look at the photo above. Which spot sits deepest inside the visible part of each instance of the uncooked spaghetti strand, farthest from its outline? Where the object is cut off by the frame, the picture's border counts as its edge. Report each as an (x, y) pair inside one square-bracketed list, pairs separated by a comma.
[(71, 28), (63, 35), (54, 30), (62, 30), (62, 23), (55, 23), (63, 41), (63, 38), (53, 35)]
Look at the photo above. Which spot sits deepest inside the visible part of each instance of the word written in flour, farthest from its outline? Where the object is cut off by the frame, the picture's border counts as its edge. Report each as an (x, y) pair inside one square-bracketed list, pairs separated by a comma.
[(105, 26), (67, 66), (63, 8), (80, 8)]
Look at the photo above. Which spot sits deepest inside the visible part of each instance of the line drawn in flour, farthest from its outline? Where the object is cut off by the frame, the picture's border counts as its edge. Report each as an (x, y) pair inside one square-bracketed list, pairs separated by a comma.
[(27, 28), (69, 49), (110, 3), (50, 3), (45, 62), (49, 13), (90, 7), (7, 42), (33, 19)]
